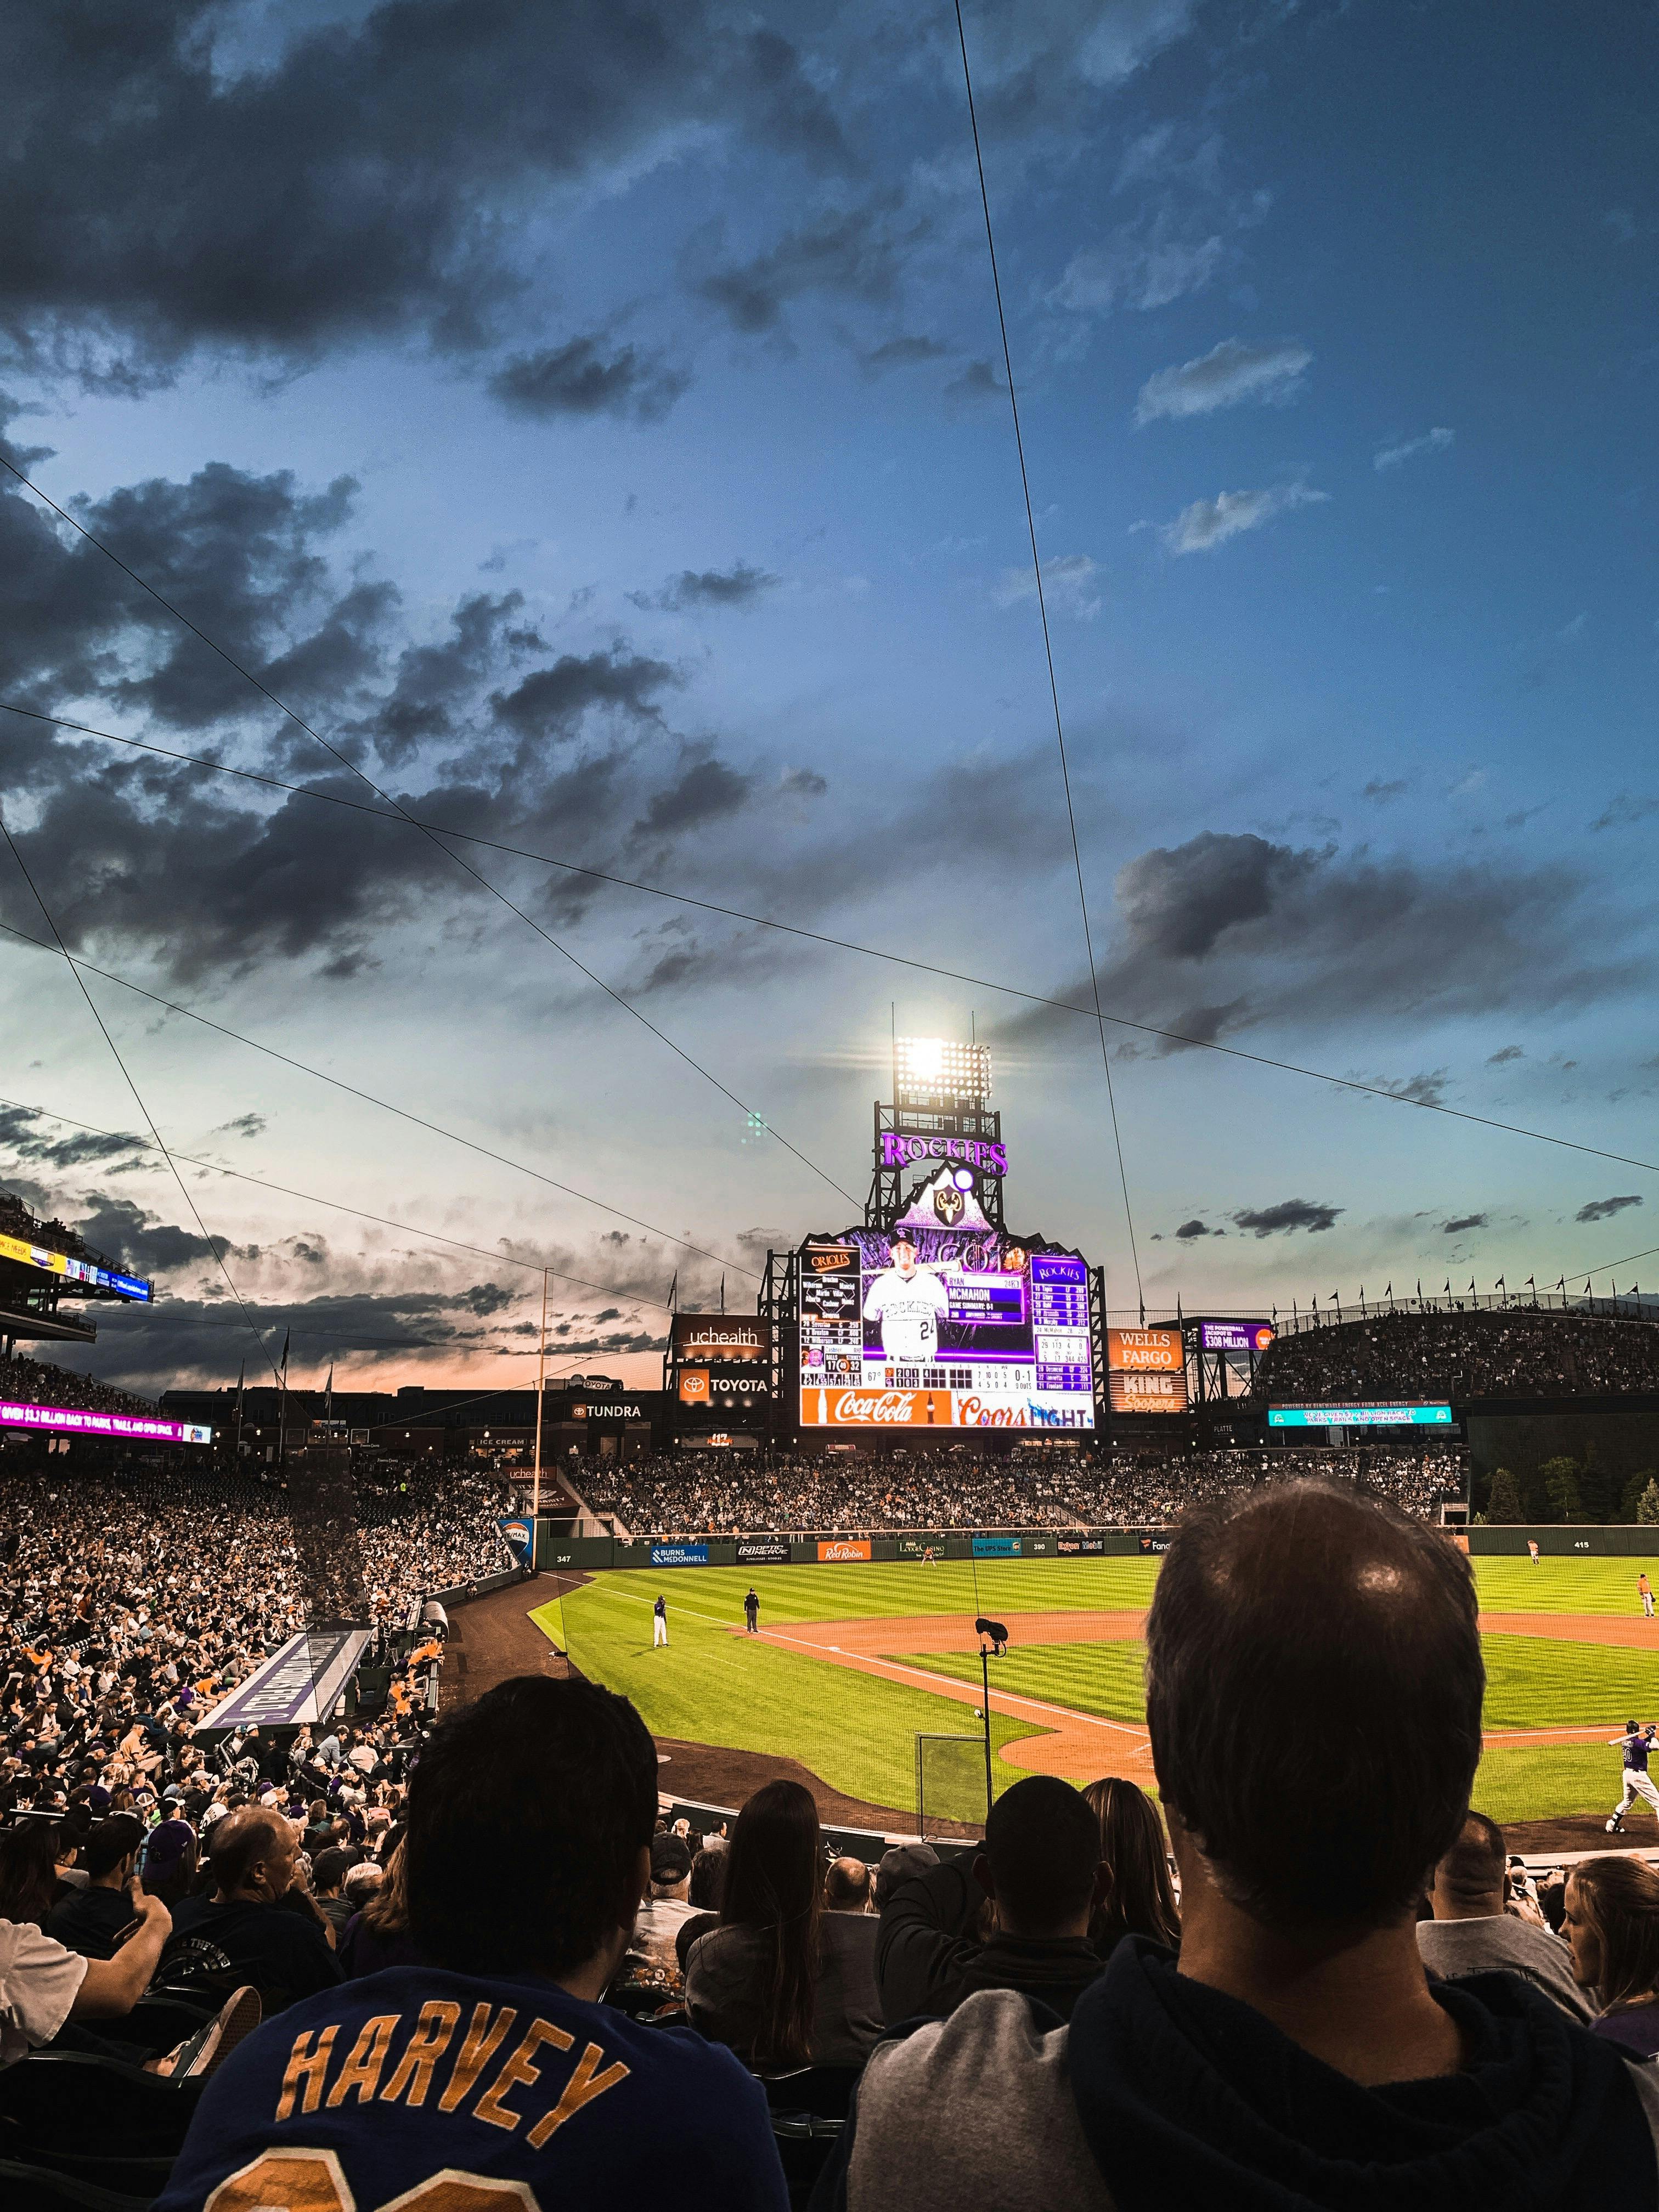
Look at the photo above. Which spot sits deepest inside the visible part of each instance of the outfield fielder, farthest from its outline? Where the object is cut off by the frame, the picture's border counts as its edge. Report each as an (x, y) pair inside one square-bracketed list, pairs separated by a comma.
[(1644, 1591), (1636, 1743), (659, 1622)]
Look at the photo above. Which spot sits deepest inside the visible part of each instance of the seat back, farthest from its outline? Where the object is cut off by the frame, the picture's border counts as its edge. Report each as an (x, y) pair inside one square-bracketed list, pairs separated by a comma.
[(96, 2106)]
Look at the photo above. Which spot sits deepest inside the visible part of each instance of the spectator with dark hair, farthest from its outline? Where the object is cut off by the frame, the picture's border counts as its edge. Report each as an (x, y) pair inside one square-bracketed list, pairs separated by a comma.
[(328, 1873), (169, 1861), (241, 1933), (28, 1872), (1612, 1925), (496, 2058), (1472, 1933), (846, 1886), (1137, 1896), (1040, 1868), (90, 1920), (1313, 1690), (781, 1980), (704, 1890)]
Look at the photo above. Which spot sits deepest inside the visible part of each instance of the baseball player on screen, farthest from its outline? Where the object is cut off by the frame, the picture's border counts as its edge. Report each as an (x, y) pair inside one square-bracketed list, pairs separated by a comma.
[(1636, 1743), (907, 1304)]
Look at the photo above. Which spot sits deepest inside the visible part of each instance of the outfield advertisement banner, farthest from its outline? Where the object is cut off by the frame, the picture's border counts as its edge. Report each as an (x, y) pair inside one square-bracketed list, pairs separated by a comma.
[(996, 1547), (77, 1421), (762, 1551), (679, 1555), (844, 1548), (1088, 1547), (519, 1535), (1404, 1414), (920, 1548)]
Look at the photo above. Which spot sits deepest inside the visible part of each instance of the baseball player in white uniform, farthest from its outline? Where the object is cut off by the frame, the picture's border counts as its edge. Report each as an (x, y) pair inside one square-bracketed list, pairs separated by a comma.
[(907, 1302), (1636, 1743)]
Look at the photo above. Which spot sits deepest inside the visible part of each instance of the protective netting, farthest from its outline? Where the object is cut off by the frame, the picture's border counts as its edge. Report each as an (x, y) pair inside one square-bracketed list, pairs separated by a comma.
[(949, 1783)]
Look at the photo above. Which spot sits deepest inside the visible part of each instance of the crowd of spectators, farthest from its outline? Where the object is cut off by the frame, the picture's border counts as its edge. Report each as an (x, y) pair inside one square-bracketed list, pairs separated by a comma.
[(42, 1383), (16, 1220), (1327, 1985), (709, 1494), (1518, 1352)]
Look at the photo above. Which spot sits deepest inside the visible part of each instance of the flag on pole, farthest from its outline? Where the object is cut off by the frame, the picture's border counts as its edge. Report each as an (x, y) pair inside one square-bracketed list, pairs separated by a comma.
[(285, 1337), (328, 1393), (673, 1289)]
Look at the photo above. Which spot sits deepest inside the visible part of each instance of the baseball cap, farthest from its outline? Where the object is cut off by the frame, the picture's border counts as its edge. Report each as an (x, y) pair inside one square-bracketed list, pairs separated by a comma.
[(671, 1860)]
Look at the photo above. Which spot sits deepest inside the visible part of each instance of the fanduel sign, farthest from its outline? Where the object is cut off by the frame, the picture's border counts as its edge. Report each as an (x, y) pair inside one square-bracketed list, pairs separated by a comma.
[(899, 1152)]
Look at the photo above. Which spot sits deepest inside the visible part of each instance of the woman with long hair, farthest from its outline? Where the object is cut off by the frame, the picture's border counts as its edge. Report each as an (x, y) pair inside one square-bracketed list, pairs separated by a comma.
[(781, 1981), (378, 1936), (1139, 1896), (1612, 1921)]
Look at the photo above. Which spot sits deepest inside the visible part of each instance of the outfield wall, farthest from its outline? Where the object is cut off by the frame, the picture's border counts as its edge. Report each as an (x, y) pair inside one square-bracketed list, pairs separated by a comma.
[(593, 1554)]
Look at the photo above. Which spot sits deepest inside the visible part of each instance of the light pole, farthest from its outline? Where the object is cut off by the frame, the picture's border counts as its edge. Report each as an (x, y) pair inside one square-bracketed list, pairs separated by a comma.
[(993, 1642)]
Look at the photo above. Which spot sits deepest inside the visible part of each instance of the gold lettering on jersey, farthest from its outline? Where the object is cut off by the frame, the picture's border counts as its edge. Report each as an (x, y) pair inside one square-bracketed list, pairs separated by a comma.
[(518, 2069), (584, 2085), (483, 2038), (308, 2062), (362, 2070), (413, 2072)]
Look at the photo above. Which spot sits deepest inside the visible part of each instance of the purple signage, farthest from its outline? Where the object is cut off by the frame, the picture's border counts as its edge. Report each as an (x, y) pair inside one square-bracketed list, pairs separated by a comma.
[(898, 1150), (80, 1421), (1235, 1335)]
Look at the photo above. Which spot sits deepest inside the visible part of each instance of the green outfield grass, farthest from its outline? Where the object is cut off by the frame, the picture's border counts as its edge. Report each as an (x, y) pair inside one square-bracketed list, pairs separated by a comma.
[(858, 1732)]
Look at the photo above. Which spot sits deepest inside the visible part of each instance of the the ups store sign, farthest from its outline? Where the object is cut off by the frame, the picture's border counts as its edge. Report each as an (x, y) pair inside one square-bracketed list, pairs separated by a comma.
[(720, 1340)]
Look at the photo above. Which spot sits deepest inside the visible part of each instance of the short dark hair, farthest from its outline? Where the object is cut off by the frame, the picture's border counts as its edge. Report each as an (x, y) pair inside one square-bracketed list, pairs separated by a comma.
[(1042, 1840), (329, 1871), (671, 1860), (569, 1771), (110, 1842), (1475, 1865), (1314, 1685)]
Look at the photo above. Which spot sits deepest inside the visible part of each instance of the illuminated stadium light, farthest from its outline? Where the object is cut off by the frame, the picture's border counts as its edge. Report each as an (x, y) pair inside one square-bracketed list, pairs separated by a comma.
[(937, 1068)]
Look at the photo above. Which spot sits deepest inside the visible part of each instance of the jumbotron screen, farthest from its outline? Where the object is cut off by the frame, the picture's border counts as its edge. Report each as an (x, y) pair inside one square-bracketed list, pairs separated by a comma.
[(943, 1328)]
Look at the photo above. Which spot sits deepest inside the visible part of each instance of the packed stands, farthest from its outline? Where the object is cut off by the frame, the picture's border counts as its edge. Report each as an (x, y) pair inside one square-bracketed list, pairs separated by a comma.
[(40, 1382), (709, 1493), (1515, 1351)]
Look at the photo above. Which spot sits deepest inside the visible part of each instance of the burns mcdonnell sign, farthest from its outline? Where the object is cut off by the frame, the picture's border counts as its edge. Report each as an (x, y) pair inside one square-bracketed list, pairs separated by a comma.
[(718, 1340)]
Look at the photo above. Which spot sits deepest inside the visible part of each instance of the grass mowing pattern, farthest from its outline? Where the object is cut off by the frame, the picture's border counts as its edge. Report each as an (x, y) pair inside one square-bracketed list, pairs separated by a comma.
[(858, 1732)]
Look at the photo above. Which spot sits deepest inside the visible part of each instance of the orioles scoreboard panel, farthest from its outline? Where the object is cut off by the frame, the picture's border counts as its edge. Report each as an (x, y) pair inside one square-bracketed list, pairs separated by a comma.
[(923, 1327)]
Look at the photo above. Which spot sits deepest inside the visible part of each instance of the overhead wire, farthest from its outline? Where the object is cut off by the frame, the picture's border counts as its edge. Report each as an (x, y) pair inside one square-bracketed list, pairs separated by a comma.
[(358, 1212), (92, 1005), (432, 837), (1048, 652), (368, 1097), (1396, 1096)]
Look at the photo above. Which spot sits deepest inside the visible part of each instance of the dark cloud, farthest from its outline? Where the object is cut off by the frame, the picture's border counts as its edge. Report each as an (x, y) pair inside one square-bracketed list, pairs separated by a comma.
[(23, 1132), (857, 253), (1603, 1209), (1289, 1214), (1189, 1230), (979, 380), (1463, 1221), (803, 782), (578, 378), (906, 351), (1381, 793), (1620, 813), (739, 585), (707, 790), (245, 1125), (167, 187), (1426, 1090), (1508, 1052), (1310, 935), (551, 701)]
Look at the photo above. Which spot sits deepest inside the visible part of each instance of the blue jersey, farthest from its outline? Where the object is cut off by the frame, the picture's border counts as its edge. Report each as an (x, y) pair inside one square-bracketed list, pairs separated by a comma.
[(1636, 1750), (354, 2099)]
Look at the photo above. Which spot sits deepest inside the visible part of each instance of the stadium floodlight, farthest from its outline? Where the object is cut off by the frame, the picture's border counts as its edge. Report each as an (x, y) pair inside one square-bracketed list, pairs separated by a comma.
[(936, 1066)]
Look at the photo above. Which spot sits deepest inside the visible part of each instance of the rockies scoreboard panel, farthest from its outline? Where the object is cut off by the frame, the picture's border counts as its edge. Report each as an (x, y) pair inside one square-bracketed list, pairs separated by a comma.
[(925, 1327)]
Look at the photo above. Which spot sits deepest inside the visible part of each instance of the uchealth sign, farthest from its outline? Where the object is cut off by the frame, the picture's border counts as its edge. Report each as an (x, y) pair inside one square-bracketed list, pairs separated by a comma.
[(716, 1340), (843, 1549)]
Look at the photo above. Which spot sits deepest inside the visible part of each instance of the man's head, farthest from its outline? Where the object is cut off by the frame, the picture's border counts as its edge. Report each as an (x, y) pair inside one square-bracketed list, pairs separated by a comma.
[(670, 1866), (904, 1254), (846, 1886), (1313, 1696), (569, 1772), (362, 1880), (254, 1855), (1471, 1879), (109, 1851), (329, 1871), (1040, 1863)]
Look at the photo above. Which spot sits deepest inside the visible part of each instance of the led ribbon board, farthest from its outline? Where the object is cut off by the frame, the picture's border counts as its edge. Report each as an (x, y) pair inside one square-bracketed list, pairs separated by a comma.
[(1412, 1415), (81, 1421), (75, 1270)]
